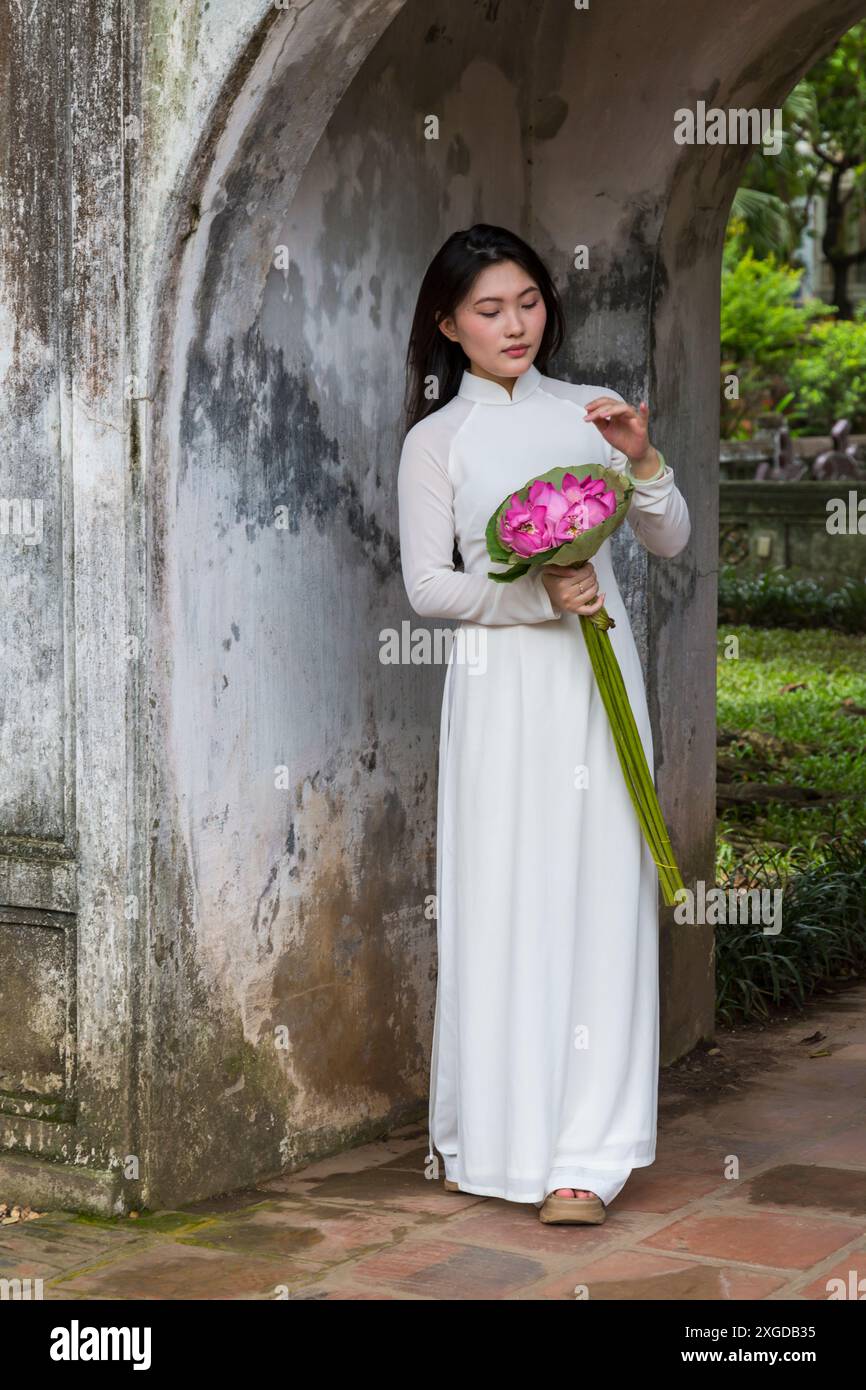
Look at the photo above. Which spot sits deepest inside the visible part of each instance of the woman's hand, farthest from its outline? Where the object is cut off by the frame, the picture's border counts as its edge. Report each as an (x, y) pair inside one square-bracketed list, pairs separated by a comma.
[(573, 589), (621, 425)]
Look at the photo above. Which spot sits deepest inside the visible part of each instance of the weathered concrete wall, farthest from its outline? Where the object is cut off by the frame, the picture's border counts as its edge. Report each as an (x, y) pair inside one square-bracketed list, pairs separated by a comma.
[(66, 947), (229, 387), (290, 385), (296, 906)]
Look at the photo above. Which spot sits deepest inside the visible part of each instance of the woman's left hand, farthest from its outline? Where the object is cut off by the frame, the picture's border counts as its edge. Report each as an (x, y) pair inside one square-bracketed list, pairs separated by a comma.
[(622, 426)]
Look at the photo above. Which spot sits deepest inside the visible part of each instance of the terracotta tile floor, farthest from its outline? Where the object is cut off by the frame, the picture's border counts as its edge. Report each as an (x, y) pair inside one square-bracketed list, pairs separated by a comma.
[(758, 1192)]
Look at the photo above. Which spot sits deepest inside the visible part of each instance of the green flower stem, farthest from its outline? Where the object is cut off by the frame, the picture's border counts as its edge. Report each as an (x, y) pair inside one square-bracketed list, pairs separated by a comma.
[(635, 769), (637, 773), (630, 751), (628, 728)]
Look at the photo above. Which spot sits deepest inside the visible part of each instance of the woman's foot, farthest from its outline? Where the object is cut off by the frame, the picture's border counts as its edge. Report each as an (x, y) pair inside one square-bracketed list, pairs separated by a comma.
[(574, 1206)]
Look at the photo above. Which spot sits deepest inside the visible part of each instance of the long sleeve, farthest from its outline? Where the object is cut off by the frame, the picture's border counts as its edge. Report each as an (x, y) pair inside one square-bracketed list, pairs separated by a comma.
[(435, 589), (659, 514)]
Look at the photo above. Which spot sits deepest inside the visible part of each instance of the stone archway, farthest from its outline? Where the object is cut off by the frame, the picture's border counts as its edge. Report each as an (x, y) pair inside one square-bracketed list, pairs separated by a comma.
[(166, 906), (298, 911)]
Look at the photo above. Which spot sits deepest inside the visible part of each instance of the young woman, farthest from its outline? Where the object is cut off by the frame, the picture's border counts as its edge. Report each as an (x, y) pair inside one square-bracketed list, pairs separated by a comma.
[(544, 1066)]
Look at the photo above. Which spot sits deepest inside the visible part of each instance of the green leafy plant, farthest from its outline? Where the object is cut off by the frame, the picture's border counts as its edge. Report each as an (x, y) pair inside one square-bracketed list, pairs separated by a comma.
[(763, 330), (773, 599), (828, 379), (823, 937)]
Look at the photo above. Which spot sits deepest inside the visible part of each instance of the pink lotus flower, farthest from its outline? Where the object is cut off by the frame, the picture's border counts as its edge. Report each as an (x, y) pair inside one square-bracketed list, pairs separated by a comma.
[(550, 517), (600, 501), (524, 525)]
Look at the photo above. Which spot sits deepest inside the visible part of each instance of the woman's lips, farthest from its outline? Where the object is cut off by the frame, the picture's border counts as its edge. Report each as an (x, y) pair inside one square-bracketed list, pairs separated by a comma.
[(516, 351)]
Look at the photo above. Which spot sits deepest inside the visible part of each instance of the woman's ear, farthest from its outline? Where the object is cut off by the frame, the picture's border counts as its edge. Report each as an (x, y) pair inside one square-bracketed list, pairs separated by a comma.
[(447, 326)]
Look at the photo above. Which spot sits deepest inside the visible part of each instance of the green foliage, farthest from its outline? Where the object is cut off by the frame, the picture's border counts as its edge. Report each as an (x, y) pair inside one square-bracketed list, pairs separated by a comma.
[(772, 599), (786, 360), (828, 379), (763, 330), (760, 320), (823, 130), (791, 686), (772, 201), (802, 657), (823, 936), (838, 82), (783, 694)]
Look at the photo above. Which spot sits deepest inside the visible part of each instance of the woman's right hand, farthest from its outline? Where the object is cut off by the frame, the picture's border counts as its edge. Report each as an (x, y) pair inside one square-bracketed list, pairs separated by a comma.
[(574, 589)]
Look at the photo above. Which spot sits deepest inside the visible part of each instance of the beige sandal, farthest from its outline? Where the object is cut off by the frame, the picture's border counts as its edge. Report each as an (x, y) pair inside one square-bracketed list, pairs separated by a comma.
[(577, 1211), (451, 1186)]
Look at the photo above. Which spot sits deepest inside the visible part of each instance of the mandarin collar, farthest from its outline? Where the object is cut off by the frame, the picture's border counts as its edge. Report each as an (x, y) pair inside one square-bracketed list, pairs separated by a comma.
[(478, 388)]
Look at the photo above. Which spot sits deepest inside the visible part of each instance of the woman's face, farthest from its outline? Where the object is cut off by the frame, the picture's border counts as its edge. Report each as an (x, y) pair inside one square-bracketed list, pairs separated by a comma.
[(503, 312)]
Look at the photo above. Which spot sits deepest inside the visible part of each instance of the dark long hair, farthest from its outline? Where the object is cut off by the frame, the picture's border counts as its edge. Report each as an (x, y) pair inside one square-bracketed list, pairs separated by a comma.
[(448, 279)]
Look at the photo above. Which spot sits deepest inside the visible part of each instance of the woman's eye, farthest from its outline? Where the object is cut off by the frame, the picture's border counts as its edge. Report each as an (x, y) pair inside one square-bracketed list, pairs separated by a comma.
[(496, 311)]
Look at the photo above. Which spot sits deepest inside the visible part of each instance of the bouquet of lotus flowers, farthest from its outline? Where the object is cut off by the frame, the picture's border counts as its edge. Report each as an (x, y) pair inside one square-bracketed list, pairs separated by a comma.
[(562, 517)]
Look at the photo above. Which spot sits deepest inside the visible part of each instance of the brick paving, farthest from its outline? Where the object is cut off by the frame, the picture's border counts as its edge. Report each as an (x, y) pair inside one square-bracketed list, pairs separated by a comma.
[(758, 1192)]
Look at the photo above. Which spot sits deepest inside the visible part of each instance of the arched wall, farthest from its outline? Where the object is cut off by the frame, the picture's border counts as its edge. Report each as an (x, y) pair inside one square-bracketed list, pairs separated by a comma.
[(302, 908)]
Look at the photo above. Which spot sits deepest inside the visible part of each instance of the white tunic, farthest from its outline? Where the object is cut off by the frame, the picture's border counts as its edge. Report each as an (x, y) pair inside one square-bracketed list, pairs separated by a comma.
[(544, 1069)]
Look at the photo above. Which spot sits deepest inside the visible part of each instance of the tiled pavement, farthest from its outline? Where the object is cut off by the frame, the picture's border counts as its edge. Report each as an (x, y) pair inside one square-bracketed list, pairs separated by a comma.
[(366, 1224)]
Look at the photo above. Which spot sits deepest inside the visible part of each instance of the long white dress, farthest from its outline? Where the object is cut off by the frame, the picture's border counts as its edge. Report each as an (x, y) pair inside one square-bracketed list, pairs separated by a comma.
[(544, 1069)]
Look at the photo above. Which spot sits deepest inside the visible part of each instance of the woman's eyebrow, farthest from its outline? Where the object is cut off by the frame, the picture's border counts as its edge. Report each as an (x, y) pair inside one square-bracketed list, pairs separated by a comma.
[(497, 298)]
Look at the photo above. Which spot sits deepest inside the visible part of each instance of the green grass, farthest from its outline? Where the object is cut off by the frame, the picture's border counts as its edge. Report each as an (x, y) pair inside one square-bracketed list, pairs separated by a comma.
[(816, 854), (832, 757)]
